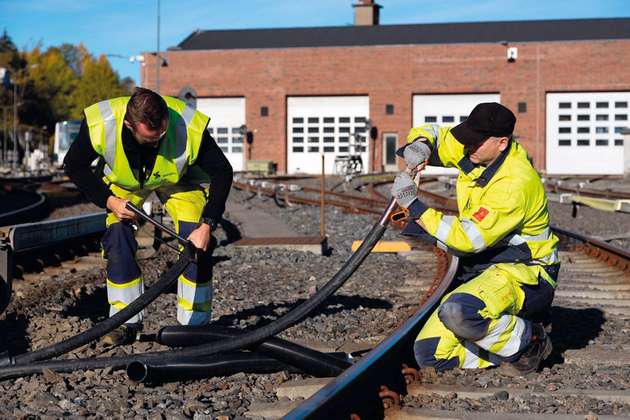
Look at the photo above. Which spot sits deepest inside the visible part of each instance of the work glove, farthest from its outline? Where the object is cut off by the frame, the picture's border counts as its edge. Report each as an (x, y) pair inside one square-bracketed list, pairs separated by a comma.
[(405, 193), (404, 190), (416, 153)]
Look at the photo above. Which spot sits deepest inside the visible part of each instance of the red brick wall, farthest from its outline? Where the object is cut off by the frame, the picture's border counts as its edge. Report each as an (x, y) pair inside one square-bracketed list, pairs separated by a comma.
[(392, 74)]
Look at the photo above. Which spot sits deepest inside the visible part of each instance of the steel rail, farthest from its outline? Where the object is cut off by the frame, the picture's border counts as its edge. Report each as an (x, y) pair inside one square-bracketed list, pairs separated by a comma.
[(359, 390)]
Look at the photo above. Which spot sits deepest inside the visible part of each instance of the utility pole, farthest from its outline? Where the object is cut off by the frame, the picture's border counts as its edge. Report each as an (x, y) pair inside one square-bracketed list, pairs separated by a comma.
[(158, 59), (15, 131), (4, 139)]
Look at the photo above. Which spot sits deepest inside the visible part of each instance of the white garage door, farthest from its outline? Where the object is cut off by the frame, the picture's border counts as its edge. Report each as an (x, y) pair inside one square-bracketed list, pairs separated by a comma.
[(332, 125), (226, 117), (447, 110), (584, 132)]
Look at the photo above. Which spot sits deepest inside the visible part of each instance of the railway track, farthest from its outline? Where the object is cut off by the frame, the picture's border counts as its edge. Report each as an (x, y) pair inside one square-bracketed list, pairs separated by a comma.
[(594, 282), (594, 279)]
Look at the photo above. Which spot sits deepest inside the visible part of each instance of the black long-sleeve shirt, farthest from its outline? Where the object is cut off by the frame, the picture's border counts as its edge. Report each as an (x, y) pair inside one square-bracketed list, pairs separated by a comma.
[(142, 159)]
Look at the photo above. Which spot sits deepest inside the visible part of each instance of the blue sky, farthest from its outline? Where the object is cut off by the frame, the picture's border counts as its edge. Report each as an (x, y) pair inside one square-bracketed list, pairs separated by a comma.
[(128, 27)]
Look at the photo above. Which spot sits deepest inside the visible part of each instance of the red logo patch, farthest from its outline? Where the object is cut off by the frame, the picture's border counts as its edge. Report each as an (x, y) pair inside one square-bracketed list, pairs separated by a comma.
[(480, 214)]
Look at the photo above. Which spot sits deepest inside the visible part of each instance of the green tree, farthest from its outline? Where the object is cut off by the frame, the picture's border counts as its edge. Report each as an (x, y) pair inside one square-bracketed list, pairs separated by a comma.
[(48, 88), (98, 82)]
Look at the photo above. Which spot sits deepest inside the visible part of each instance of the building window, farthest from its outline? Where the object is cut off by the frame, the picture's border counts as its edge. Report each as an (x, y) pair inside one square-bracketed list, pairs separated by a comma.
[(601, 105), (522, 107), (601, 142), (389, 109), (583, 142), (313, 120), (430, 119), (601, 117), (584, 117), (298, 120), (584, 129), (264, 111), (622, 104), (564, 142), (448, 119), (583, 105), (564, 105), (618, 142), (621, 117), (601, 130), (564, 117), (564, 130)]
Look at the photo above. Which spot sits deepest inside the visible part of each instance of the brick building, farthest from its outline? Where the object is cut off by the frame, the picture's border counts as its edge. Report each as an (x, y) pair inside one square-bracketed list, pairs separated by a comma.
[(305, 91)]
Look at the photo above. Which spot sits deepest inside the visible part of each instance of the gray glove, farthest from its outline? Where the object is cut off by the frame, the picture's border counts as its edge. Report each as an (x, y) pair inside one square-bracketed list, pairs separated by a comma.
[(416, 152), (404, 190)]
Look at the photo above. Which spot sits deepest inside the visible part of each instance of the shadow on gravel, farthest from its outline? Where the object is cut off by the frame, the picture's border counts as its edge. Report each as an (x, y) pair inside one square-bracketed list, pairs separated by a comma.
[(13, 333), (232, 232), (572, 329), (332, 306), (92, 305)]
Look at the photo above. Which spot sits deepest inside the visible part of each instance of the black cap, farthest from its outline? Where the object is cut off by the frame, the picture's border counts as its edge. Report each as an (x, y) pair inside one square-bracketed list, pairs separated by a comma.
[(488, 119)]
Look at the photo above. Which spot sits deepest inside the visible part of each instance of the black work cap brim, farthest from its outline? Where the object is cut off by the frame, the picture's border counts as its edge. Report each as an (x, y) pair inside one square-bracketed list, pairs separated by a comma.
[(467, 136)]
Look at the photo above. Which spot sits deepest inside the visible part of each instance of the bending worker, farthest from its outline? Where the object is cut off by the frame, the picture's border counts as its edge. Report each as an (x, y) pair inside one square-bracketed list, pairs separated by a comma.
[(508, 255), (151, 143)]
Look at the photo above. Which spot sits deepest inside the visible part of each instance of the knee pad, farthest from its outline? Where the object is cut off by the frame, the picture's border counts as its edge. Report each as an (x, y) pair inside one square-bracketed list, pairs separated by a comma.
[(424, 352), (460, 314)]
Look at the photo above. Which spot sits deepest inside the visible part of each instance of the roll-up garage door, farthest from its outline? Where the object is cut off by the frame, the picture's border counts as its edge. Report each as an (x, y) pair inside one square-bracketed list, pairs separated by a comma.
[(226, 117), (446, 110), (332, 125), (584, 132)]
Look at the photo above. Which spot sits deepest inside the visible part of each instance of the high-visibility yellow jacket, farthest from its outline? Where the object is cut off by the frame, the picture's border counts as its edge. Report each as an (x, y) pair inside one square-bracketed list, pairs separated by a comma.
[(503, 215), (177, 151)]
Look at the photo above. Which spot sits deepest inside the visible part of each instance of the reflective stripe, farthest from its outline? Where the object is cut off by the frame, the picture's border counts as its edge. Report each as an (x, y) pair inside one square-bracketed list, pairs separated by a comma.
[(550, 259), (442, 246), (504, 337), (516, 240), (471, 359), (185, 317), (473, 234), (182, 139), (121, 295), (109, 123), (192, 296), (515, 340), (545, 235), (444, 228)]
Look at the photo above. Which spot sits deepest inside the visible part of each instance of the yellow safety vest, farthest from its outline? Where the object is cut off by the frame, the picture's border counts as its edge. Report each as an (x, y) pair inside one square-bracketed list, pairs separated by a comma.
[(177, 151), (503, 215)]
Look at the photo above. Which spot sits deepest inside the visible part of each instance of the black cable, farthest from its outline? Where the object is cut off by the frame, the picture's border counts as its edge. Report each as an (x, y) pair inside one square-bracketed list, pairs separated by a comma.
[(246, 339), (310, 361), (165, 281)]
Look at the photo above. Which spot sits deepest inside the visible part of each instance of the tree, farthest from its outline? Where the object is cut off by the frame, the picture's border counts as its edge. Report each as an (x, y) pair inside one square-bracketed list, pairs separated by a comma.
[(48, 89), (98, 82)]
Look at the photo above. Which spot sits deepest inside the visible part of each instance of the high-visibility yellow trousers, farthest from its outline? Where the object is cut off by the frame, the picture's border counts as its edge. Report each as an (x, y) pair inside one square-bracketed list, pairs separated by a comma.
[(486, 320), (184, 203)]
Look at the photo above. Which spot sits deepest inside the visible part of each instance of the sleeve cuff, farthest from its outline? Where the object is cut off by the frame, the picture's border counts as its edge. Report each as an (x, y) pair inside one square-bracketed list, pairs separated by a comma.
[(417, 209)]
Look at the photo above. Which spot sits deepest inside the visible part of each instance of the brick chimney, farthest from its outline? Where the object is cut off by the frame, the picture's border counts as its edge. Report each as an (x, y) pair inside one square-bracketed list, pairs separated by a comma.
[(366, 13)]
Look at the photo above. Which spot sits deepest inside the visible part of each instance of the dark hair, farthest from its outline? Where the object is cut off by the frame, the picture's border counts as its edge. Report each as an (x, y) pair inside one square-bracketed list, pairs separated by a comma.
[(147, 107)]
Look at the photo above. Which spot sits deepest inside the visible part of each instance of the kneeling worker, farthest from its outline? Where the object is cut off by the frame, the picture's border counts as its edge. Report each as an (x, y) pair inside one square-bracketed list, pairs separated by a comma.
[(151, 143), (508, 255)]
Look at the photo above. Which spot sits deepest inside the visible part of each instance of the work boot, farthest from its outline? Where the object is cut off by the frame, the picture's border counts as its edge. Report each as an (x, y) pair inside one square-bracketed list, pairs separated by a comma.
[(124, 334), (532, 356)]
